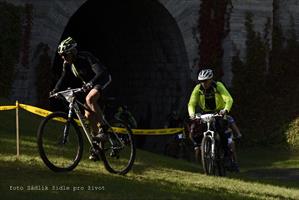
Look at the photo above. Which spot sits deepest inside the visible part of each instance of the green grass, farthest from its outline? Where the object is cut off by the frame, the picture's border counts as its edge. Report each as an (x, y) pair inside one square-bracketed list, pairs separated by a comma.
[(265, 173), (293, 133)]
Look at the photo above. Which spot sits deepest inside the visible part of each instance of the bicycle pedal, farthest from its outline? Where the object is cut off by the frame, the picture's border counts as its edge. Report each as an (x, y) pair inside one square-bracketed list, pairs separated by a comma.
[(94, 154), (94, 157), (114, 154), (101, 137)]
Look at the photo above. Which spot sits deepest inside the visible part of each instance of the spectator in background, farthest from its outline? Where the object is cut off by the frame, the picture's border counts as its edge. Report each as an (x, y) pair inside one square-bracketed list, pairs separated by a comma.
[(125, 115)]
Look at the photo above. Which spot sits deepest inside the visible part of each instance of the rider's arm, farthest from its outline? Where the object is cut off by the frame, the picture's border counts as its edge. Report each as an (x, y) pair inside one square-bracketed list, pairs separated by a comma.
[(225, 96), (96, 67), (194, 99), (62, 78), (133, 120)]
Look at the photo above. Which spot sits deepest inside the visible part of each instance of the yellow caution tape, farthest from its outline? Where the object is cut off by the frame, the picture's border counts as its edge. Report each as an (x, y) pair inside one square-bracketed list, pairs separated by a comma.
[(166, 131), (44, 113), (7, 107), (35, 110)]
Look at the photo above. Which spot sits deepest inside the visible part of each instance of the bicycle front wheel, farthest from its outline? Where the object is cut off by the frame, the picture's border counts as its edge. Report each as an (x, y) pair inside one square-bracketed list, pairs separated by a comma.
[(60, 143), (118, 152), (208, 159)]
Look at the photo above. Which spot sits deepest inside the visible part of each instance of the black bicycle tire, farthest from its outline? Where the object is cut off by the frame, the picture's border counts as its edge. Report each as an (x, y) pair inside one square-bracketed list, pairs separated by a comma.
[(131, 161), (41, 148)]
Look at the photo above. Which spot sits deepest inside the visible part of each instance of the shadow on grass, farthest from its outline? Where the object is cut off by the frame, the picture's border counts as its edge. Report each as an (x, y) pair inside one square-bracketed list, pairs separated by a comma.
[(279, 176), (269, 166), (254, 163), (17, 174), (146, 160)]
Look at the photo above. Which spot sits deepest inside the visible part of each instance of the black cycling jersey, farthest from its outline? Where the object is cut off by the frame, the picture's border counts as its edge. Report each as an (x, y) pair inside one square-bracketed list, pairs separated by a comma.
[(209, 94), (86, 67)]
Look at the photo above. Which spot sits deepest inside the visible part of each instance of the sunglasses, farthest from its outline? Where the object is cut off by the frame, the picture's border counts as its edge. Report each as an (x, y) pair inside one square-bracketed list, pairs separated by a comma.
[(203, 81)]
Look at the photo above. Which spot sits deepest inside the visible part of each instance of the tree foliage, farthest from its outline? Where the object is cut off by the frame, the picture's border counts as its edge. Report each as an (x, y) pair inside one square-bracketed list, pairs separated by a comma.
[(10, 43), (213, 27), (265, 84)]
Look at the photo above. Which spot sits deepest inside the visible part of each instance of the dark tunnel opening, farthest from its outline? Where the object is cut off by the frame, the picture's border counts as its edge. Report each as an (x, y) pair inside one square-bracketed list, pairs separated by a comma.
[(142, 46)]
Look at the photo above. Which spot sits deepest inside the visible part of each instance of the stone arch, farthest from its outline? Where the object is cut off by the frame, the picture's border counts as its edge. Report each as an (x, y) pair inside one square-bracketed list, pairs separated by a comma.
[(141, 44)]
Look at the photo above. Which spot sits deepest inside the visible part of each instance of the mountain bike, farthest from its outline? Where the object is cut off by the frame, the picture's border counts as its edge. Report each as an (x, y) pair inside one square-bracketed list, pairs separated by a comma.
[(60, 141), (212, 152)]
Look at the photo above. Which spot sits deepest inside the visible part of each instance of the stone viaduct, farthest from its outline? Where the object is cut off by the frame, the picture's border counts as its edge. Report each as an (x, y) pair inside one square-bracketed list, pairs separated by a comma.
[(150, 46)]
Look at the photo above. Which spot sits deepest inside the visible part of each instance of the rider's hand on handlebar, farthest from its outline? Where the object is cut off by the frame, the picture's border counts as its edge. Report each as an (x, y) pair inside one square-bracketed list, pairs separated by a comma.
[(223, 112), (238, 137), (86, 87), (51, 93), (192, 117)]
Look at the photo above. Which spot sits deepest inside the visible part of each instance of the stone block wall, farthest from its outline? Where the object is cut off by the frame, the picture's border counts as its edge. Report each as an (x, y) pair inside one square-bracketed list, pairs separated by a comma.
[(52, 17), (236, 39), (49, 21), (286, 10)]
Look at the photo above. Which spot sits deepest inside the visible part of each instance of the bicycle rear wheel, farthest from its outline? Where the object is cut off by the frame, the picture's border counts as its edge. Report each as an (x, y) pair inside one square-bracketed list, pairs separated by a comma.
[(118, 153), (60, 143), (208, 160)]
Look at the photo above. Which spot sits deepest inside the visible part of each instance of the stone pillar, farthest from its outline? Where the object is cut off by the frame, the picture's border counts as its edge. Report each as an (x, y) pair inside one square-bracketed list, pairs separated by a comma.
[(185, 12), (49, 21)]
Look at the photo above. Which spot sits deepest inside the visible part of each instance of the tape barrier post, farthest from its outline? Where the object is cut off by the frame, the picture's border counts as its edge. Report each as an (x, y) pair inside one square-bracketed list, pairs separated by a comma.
[(17, 129)]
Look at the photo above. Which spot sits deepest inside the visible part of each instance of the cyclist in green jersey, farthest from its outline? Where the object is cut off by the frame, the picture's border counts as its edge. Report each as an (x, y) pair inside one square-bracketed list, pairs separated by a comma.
[(210, 97)]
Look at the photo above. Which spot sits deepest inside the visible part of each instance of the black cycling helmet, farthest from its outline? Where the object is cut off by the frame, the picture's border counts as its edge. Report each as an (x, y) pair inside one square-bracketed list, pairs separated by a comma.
[(67, 45)]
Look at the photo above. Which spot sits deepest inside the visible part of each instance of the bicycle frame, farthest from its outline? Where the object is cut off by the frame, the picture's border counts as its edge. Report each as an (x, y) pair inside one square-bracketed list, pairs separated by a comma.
[(209, 119), (117, 151), (70, 96)]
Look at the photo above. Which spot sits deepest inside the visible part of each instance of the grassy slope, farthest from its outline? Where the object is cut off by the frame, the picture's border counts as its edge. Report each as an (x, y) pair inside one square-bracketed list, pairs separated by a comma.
[(153, 176)]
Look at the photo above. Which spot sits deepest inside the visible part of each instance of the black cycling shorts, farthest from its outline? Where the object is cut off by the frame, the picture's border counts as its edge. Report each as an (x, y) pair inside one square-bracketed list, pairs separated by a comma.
[(105, 80)]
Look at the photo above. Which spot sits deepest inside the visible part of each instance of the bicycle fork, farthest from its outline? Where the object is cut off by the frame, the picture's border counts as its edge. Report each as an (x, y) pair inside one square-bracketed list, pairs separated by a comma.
[(210, 134), (67, 125)]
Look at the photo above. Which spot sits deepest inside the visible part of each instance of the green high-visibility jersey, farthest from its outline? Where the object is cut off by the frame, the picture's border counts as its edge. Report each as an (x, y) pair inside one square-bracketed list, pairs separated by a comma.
[(223, 99)]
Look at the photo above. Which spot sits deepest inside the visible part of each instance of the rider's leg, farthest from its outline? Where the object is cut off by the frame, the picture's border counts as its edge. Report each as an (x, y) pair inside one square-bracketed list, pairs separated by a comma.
[(233, 153), (95, 118), (226, 137), (191, 135), (91, 101), (233, 149), (196, 145), (236, 129), (234, 126), (221, 127)]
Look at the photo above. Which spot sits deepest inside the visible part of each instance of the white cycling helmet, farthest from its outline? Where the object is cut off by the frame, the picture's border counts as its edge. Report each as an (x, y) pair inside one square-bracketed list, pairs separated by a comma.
[(205, 74), (67, 45)]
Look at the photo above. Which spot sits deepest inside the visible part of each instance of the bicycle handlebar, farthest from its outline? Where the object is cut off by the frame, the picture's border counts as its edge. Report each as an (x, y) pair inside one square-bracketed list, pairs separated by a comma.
[(74, 91), (200, 116)]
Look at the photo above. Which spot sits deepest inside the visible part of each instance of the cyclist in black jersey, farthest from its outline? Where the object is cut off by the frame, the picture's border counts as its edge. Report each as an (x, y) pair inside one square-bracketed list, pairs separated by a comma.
[(94, 76)]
